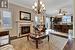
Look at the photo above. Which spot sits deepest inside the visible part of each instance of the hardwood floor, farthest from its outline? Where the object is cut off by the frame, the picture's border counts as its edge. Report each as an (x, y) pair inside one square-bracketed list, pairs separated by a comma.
[(70, 45), (55, 43), (73, 48)]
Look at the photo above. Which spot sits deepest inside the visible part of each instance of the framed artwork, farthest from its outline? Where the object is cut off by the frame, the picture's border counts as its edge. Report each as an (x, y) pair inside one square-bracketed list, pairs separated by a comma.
[(25, 16)]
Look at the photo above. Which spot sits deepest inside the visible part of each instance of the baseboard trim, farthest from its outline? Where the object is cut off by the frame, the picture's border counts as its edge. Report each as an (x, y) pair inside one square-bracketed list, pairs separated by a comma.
[(59, 35), (15, 37)]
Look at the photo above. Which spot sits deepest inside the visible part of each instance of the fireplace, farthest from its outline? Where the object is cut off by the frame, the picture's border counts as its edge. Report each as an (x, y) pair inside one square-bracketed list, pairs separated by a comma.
[(25, 29)]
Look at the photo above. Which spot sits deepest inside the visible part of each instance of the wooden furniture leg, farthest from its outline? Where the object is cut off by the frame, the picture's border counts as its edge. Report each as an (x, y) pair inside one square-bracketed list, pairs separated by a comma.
[(27, 37), (48, 38), (36, 43)]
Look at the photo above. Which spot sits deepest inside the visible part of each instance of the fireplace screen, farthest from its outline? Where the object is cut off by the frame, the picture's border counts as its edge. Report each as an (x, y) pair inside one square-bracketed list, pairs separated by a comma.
[(25, 29)]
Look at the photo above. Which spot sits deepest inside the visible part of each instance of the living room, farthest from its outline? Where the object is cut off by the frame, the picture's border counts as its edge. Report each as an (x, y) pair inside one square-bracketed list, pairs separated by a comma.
[(20, 19)]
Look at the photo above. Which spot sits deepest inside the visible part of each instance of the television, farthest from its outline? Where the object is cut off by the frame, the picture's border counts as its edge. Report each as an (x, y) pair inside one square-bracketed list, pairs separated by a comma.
[(66, 19)]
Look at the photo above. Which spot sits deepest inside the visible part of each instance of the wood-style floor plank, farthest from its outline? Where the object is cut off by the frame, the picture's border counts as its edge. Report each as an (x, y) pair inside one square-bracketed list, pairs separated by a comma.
[(70, 45)]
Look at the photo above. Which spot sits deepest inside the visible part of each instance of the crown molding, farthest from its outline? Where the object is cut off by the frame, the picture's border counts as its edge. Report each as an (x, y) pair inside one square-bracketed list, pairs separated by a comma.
[(15, 3)]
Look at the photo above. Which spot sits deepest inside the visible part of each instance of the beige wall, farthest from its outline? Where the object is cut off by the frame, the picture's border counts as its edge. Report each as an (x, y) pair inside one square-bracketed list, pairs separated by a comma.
[(15, 9), (74, 18), (15, 17)]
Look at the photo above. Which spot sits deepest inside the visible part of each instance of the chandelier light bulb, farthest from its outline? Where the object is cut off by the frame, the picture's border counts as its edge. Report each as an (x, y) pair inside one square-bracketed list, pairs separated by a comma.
[(40, 2), (39, 7), (43, 5), (5, 2), (60, 14), (35, 4), (2, 4), (33, 7)]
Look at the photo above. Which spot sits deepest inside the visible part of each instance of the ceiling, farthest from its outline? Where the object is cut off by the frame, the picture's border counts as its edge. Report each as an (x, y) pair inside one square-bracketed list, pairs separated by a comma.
[(51, 5)]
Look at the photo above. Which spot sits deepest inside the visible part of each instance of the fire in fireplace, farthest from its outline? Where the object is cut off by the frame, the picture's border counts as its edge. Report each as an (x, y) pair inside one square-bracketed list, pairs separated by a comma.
[(25, 29)]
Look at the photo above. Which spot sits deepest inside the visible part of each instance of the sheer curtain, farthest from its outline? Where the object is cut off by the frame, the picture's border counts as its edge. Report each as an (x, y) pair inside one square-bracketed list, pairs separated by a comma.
[(47, 22)]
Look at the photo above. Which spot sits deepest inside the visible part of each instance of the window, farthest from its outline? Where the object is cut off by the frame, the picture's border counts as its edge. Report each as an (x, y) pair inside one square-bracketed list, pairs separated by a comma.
[(7, 20), (66, 19)]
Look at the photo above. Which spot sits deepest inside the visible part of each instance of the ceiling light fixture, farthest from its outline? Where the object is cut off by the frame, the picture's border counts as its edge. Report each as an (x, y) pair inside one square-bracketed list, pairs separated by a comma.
[(39, 7), (62, 12)]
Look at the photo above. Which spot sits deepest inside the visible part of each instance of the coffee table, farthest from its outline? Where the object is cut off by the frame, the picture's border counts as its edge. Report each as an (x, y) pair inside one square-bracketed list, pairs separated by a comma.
[(37, 37)]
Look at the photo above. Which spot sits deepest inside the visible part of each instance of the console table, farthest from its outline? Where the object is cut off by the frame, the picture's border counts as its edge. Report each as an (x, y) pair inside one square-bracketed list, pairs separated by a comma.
[(4, 38), (37, 38)]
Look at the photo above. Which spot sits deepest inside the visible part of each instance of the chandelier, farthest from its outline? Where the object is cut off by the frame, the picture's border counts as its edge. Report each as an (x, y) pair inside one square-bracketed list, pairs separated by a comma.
[(62, 12), (38, 7)]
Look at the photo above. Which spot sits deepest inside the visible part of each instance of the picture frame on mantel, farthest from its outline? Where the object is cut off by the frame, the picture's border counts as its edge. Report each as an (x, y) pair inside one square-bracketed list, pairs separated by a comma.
[(25, 16)]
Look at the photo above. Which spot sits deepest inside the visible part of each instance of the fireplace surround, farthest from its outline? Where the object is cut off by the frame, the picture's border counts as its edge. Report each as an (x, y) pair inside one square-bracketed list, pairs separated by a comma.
[(24, 27), (25, 30)]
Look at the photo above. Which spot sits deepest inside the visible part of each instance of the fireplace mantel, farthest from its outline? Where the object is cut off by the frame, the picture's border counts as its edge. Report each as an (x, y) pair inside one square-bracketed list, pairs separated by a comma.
[(23, 24), (23, 21)]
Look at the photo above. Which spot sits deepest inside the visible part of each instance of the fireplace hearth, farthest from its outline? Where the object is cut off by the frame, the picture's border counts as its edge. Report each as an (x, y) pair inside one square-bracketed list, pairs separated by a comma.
[(25, 29)]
